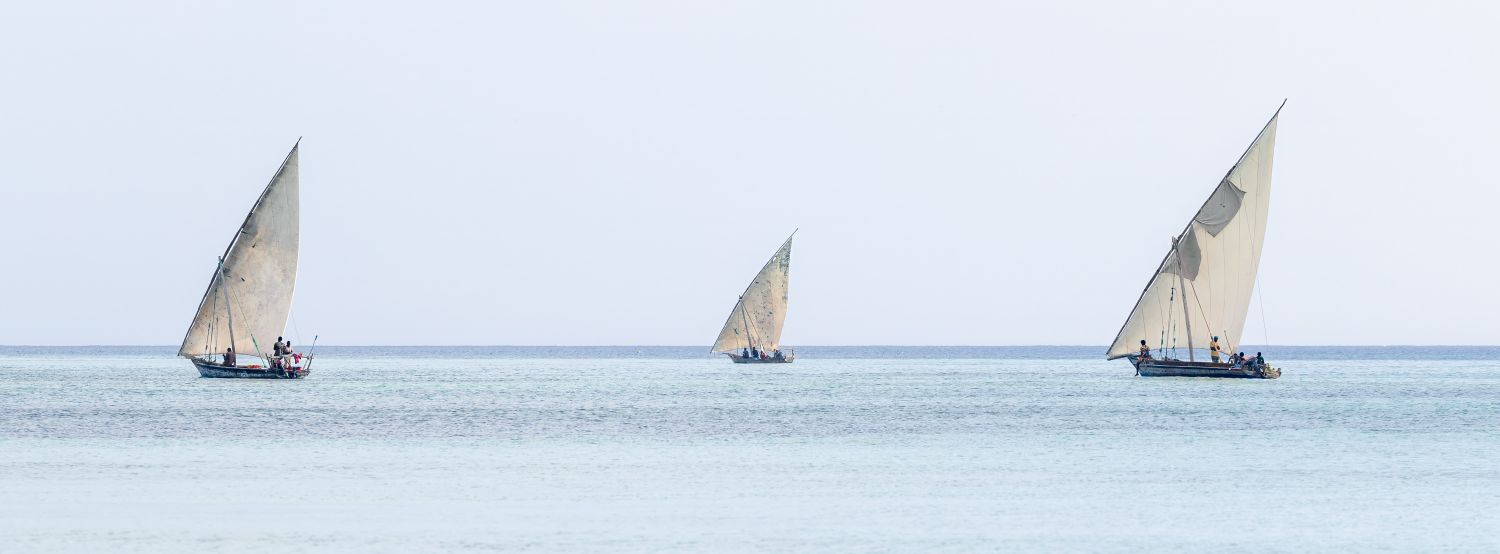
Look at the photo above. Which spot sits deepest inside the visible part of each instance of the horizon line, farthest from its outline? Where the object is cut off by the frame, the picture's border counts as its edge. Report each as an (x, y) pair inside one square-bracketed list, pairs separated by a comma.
[(793, 347)]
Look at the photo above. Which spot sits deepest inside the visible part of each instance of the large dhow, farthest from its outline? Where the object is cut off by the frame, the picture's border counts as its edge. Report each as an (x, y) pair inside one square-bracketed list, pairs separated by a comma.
[(752, 334), (1200, 294), (250, 293)]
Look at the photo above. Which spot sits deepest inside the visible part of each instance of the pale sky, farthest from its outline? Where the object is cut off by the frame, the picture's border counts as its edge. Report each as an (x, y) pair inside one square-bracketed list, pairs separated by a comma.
[(616, 172)]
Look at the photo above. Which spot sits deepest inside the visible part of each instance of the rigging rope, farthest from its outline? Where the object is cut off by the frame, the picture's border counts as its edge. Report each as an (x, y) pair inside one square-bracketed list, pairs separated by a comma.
[(295, 328), (210, 341), (1199, 302), (234, 299), (1172, 320), (1264, 334)]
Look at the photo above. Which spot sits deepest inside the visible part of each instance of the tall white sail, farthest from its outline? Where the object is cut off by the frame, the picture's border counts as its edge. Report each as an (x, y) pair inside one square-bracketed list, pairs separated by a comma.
[(757, 318), (252, 291), (1203, 286)]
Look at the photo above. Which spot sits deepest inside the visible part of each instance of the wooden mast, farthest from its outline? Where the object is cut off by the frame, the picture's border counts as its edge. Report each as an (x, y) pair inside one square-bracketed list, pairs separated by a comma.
[(1187, 320), (228, 306)]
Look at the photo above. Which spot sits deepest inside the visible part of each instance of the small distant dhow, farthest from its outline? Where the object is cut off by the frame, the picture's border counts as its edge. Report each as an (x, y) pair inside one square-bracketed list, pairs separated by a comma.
[(250, 294), (1201, 291), (752, 334)]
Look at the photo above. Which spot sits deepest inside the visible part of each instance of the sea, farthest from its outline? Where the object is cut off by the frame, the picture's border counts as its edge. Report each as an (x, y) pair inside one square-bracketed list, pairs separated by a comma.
[(669, 449)]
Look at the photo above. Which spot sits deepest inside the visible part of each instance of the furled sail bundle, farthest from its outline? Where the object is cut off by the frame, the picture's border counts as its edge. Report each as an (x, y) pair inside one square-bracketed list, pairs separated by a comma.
[(250, 295), (757, 318), (1202, 288)]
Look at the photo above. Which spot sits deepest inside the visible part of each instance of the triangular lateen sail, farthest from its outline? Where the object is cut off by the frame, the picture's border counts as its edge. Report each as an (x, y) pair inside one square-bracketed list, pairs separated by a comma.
[(1203, 286), (258, 274), (757, 318)]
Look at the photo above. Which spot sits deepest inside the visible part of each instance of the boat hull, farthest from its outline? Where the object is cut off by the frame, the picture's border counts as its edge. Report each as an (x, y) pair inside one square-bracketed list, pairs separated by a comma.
[(786, 359), (218, 371), (1179, 368)]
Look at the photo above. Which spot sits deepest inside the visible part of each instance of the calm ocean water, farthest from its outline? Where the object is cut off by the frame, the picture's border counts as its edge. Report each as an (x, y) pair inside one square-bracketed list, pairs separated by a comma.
[(665, 449)]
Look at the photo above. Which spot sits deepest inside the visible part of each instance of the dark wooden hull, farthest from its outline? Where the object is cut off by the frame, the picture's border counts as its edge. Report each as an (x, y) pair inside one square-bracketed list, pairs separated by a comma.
[(1179, 368), (218, 371), (786, 359)]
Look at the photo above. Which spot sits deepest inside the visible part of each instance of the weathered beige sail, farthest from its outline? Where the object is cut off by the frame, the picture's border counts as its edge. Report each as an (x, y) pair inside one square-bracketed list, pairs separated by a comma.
[(758, 316), (251, 291), (1203, 286)]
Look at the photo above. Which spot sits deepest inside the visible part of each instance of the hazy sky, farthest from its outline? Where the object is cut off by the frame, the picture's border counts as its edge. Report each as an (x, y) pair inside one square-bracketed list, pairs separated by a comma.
[(616, 172)]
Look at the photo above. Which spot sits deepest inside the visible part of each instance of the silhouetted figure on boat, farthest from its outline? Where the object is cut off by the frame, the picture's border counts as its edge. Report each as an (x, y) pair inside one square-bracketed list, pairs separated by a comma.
[(229, 357), (1145, 350), (288, 358)]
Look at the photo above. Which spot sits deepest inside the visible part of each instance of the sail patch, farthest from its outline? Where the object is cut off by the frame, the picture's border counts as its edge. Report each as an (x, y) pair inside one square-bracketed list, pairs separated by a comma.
[(1186, 257), (1220, 208)]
